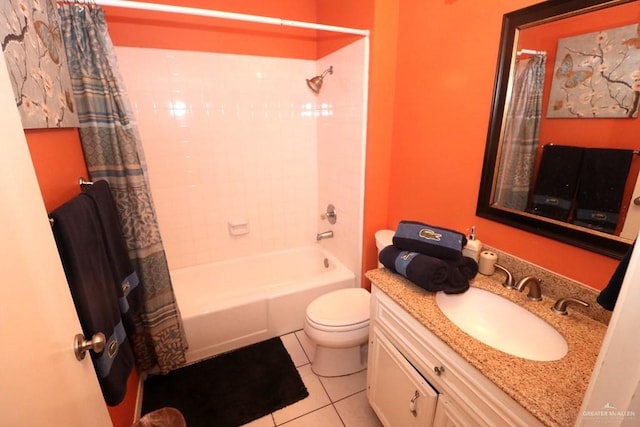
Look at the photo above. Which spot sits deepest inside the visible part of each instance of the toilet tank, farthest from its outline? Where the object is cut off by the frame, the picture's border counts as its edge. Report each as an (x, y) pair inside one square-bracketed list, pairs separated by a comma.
[(384, 238)]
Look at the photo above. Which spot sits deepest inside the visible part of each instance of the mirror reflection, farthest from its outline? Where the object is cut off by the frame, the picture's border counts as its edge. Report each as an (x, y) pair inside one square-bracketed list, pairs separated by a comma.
[(562, 153)]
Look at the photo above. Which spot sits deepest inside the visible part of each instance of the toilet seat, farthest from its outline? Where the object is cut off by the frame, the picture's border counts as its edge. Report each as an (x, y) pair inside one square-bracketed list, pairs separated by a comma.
[(345, 328), (341, 310)]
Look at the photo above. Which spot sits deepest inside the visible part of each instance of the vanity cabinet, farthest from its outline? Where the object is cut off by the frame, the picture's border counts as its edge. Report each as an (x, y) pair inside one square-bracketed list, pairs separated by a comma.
[(397, 392), (415, 379)]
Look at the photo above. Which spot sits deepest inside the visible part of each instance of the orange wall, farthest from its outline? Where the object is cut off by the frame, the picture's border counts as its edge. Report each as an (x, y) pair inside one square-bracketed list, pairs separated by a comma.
[(133, 28), (342, 14), (381, 105), (58, 160), (123, 414), (129, 27), (445, 73)]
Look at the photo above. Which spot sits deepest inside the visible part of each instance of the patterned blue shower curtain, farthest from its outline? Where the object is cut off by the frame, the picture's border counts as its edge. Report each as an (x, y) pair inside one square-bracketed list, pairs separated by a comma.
[(521, 136), (113, 152)]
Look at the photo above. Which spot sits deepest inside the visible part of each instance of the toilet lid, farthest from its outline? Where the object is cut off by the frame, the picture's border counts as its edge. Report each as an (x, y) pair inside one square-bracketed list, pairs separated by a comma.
[(340, 308), (384, 238)]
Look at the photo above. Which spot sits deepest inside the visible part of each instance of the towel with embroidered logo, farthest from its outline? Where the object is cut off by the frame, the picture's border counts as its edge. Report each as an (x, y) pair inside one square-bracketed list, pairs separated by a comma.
[(429, 240)]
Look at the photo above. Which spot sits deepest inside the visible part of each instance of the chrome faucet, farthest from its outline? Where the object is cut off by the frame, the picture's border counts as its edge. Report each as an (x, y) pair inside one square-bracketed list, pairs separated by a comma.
[(535, 293), (324, 235), (508, 281), (560, 307)]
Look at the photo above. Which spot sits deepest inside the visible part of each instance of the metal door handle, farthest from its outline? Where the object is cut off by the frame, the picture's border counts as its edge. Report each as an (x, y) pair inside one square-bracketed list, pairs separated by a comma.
[(80, 345), (412, 403)]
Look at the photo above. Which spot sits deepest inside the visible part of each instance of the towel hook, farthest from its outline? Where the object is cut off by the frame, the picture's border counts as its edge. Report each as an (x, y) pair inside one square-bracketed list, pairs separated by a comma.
[(81, 181)]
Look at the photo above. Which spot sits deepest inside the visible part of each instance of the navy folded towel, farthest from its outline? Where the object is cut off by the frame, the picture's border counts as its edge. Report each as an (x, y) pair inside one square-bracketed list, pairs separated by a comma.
[(461, 271), (77, 232), (426, 239), (467, 266), (609, 295), (126, 278), (425, 271)]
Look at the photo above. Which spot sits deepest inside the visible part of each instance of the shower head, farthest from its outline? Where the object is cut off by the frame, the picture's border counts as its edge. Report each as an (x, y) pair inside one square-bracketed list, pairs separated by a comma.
[(315, 83)]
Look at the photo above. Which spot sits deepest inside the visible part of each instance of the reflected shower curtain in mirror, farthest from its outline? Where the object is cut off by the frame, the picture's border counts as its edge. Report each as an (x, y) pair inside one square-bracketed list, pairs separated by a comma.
[(113, 152), (521, 134)]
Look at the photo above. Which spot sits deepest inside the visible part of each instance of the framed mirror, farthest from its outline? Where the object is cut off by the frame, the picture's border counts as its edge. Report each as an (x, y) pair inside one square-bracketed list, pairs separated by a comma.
[(561, 158)]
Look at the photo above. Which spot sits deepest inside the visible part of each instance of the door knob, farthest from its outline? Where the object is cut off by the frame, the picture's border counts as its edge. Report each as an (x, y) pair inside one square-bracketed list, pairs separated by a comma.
[(96, 343)]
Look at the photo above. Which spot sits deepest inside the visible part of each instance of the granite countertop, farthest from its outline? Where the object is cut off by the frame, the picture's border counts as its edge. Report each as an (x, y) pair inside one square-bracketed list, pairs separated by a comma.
[(551, 391)]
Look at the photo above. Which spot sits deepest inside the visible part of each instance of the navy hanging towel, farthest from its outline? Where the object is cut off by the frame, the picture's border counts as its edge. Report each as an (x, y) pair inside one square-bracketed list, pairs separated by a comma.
[(126, 279), (77, 232)]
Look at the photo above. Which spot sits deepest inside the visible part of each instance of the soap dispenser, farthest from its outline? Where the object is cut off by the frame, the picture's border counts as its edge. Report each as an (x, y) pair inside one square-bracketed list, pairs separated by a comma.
[(473, 247)]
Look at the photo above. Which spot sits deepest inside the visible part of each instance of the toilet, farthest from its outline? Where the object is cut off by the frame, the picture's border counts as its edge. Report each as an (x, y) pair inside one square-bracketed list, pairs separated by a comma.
[(338, 324), (384, 238)]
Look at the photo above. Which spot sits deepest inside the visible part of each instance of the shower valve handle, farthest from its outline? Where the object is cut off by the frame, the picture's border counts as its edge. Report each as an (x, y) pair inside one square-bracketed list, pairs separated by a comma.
[(331, 214)]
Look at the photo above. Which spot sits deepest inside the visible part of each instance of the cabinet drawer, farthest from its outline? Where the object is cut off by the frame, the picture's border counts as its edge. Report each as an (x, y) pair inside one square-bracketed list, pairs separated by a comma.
[(397, 392)]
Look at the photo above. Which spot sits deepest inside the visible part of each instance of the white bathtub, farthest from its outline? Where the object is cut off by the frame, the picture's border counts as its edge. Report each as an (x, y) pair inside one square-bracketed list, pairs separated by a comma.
[(230, 304)]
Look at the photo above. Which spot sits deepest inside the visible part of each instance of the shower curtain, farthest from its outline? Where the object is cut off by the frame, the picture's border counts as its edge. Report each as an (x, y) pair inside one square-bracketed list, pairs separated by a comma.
[(113, 152), (521, 134)]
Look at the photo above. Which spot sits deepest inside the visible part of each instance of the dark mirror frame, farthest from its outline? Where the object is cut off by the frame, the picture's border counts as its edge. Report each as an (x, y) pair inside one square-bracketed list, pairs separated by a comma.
[(611, 246)]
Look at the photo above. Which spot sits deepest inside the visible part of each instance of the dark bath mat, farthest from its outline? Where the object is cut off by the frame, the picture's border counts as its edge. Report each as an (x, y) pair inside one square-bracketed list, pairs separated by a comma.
[(230, 389)]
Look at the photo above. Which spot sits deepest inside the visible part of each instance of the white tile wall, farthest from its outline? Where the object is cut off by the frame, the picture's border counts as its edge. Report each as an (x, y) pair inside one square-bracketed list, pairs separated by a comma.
[(341, 153), (234, 138)]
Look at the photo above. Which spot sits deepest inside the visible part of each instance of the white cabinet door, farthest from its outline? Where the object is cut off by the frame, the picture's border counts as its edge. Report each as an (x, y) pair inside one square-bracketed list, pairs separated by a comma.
[(397, 392), (41, 382), (450, 415)]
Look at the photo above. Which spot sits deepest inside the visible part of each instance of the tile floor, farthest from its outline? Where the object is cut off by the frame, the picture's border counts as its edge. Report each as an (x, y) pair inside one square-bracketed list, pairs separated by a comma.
[(332, 402)]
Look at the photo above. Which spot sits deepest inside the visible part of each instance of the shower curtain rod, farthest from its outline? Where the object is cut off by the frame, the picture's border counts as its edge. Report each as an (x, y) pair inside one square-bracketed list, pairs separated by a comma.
[(227, 15), (530, 52)]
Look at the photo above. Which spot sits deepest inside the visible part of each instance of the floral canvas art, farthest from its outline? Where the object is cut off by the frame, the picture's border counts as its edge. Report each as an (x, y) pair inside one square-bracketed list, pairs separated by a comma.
[(597, 75), (35, 57)]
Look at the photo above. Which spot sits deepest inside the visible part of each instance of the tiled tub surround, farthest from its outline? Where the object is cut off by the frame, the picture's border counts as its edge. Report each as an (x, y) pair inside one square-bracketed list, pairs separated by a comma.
[(232, 137), (226, 139), (551, 391)]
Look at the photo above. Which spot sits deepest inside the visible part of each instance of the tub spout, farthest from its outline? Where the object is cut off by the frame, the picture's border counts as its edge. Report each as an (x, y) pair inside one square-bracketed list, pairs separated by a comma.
[(324, 235)]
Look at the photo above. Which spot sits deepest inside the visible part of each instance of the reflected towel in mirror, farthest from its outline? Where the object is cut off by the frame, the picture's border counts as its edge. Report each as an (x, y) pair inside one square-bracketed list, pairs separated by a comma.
[(556, 181), (601, 188)]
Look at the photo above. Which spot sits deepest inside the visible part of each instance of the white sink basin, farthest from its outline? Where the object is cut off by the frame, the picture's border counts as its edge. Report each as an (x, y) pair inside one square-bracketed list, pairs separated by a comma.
[(503, 325)]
